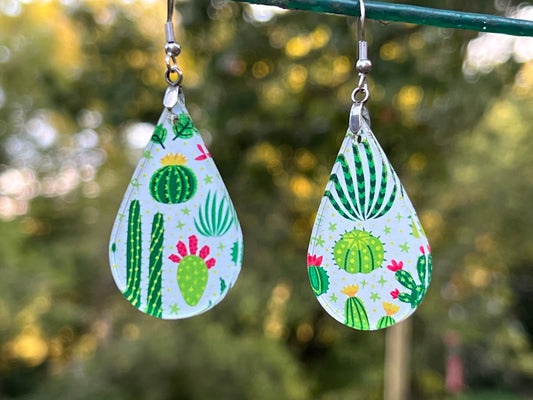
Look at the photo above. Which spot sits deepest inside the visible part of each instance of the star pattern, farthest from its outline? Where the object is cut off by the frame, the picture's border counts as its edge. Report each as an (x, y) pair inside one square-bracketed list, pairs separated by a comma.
[(174, 309), (405, 247), (332, 227), (333, 298), (319, 241), (374, 296), (208, 179)]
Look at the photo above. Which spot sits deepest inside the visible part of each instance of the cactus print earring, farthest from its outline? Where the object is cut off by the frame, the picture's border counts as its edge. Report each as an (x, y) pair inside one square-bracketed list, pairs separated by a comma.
[(176, 246), (369, 261)]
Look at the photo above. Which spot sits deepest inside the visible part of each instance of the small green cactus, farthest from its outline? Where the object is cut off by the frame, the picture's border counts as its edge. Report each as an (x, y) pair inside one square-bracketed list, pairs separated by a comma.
[(388, 320), (358, 252), (133, 255), (417, 291), (317, 275), (354, 309), (173, 183), (193, 269)]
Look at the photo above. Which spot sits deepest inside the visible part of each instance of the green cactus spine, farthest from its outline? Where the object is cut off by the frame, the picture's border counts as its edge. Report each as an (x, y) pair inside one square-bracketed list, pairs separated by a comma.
[(133, 255), (358, 252), (183, 127), (351, 199), (355, 315), (193, 269), (154, 298), (159, 135), (317, 275), (173, 183)]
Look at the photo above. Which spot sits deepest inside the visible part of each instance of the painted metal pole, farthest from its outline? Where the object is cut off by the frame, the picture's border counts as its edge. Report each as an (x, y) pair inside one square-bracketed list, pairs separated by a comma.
[(411, 14)]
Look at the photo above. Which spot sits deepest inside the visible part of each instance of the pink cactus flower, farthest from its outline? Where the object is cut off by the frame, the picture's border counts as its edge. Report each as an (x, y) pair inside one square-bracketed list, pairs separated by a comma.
[(395, 265)]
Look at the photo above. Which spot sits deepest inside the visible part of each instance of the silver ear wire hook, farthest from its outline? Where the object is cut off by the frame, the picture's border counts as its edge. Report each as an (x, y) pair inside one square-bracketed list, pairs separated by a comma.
[(173, 75), (361, 93)]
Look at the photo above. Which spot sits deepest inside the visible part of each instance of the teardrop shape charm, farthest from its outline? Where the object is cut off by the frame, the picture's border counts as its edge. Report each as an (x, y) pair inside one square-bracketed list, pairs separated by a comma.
[(369, 261), (176, 245)]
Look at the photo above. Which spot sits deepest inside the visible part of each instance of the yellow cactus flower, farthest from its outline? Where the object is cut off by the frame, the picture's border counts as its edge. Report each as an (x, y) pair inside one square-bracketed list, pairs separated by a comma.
[(390, 308), (174, 159), (350, 290)]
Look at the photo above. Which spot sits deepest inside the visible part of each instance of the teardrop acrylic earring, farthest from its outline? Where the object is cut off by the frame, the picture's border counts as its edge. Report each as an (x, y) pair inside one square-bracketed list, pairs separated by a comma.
[(369, 262), (176, 245)]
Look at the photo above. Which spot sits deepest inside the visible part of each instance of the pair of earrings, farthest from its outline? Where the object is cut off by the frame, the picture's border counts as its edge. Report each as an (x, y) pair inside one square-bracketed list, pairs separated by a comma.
[(176, 245)]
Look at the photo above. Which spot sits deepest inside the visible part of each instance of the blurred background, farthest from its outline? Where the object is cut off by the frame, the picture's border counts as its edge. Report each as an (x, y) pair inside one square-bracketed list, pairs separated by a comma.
[(81, 85)]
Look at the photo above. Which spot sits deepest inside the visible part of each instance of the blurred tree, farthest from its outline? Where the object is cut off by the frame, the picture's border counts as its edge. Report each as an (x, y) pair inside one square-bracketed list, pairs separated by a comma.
[(80, 87)]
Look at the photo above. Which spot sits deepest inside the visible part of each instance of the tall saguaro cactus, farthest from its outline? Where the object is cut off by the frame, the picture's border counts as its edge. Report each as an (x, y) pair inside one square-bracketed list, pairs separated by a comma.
[(154, 300), (133, 255)]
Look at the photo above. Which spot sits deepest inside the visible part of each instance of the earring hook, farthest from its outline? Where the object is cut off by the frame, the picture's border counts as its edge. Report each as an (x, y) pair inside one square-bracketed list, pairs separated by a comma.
[(173, 75), (361, 26)]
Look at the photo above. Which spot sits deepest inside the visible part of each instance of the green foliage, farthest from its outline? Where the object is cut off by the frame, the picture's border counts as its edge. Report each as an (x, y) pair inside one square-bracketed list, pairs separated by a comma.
[(215, 219), (354, 205), (159, 135), (183, 127)]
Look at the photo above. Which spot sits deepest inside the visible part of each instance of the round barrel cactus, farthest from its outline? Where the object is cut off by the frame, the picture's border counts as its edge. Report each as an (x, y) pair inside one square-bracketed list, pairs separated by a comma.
[(174, 182), (358, 252)]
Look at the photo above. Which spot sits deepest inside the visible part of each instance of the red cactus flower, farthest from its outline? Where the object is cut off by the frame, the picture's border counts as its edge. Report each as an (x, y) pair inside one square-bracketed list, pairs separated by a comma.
[(313, 261), (395, 293), (193, 248), (395, 266), (423, 251)]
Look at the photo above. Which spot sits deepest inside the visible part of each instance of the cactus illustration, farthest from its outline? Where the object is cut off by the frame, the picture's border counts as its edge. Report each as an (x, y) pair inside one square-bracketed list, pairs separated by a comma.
[(358, 252), (366, 197), (154, 299), (235, 252), (317, 275), (354, 309), (215, 218), (388, 320), (159, 135), (222, 285), (416, 291), (173, 183), (133, 255), (192, 269), (183, 127)]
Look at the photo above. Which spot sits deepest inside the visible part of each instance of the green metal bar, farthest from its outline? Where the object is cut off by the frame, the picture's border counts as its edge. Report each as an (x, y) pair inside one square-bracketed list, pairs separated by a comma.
[(411, 14)]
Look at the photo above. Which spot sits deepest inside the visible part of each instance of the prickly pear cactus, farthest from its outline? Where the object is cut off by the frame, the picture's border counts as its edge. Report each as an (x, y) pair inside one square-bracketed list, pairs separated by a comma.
[(365, 229), (175, 220), (192, 270)]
